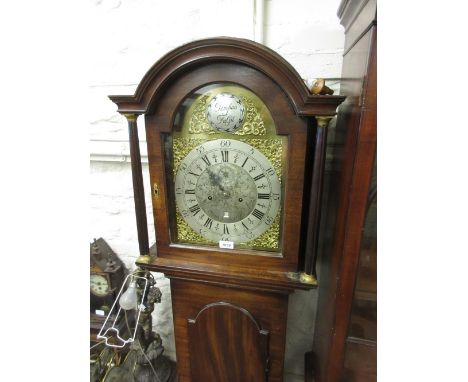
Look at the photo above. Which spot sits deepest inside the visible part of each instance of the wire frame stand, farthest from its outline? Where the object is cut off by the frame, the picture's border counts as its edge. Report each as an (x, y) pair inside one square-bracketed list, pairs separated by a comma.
[(112, 335), (145, 361), (149, 364)]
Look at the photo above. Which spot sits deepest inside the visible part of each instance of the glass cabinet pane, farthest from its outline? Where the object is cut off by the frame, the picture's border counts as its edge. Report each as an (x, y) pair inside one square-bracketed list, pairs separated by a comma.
[(363, 322)]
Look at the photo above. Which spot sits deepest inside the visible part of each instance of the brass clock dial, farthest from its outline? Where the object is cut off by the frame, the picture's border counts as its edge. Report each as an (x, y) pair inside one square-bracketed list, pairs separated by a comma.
[(227, 190), (99, 285)]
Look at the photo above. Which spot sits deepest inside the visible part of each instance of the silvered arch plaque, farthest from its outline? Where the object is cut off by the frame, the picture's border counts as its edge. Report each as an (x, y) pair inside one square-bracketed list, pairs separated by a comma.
[(226, 112)]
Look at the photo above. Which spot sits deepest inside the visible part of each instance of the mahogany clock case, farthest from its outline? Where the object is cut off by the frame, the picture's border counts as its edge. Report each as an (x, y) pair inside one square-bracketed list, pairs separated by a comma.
[(219, 293), (256, 68), (160, 122)]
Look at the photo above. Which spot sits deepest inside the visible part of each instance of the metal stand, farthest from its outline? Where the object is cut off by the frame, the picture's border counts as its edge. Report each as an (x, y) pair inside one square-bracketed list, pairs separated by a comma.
[(151, 364)]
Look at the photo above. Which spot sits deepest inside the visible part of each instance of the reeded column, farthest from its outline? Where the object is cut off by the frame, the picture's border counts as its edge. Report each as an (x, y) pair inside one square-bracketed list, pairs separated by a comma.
[(138, 188), (309, 274)]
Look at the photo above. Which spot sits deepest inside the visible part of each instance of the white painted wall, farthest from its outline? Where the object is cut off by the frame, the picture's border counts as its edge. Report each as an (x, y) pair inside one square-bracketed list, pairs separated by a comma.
[(129, 37)]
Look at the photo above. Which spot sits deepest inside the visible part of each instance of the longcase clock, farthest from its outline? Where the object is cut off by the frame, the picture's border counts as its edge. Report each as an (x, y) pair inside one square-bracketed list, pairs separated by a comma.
[(236, 150)]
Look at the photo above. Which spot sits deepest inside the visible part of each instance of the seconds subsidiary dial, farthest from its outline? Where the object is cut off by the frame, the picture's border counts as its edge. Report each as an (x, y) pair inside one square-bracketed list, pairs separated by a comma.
[(227, 190)]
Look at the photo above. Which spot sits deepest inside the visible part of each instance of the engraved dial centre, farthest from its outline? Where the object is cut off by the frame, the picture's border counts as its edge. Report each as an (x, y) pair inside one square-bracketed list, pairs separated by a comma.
[(226, 192)]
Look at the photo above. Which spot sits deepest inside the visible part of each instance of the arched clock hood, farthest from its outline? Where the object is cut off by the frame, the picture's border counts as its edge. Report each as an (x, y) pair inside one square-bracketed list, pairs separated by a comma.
[(226, 49)]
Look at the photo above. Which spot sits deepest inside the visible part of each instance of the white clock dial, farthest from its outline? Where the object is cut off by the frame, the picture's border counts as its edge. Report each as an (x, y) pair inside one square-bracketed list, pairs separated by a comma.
[(99, 285), (227, 190), (225, 112)]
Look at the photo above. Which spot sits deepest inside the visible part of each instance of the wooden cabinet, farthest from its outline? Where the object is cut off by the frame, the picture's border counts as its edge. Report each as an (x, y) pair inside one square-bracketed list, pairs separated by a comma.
[(239, 340), (345, 339)]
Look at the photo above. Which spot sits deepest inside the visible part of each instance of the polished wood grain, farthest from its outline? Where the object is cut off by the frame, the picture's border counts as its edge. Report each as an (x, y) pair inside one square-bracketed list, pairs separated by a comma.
[(267, 309), (233, 275), (138, 187), (227, 336), (315, 200)]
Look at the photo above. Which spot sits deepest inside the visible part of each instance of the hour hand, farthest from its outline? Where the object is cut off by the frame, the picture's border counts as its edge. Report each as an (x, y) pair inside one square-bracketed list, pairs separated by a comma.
[(215, 179)]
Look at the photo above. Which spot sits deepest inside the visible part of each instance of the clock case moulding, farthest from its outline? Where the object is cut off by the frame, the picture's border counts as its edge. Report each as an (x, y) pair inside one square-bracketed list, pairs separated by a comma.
[(297, 114)]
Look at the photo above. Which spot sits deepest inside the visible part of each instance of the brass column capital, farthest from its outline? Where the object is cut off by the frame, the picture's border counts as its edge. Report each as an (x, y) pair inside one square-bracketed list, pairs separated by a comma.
[(143, 259), (131, 117), (323, 121)]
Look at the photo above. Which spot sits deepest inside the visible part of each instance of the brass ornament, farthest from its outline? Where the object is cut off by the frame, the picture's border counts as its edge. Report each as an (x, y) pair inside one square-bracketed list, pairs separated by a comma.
[(94, 268), (180, 149), (156, 190), (307, 279), (303, 278), (186, 234), (253, 122), (198, 122), (143, 259), (270, 238), (272, 148), (319, 88), (130, 117), (323, 121)]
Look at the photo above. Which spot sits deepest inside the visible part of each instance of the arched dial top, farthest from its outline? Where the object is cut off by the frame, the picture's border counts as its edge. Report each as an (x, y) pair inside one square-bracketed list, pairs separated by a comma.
[(227, 190)]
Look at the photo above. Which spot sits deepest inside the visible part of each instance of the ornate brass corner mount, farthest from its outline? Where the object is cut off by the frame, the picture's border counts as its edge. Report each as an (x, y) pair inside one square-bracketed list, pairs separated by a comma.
[(302, 277), (307, 279), (143, 259), (319, 88)]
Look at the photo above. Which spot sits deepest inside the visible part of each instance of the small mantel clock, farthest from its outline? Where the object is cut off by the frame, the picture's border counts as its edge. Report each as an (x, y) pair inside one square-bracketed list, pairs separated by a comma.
[(107, 273), (236, 146)]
